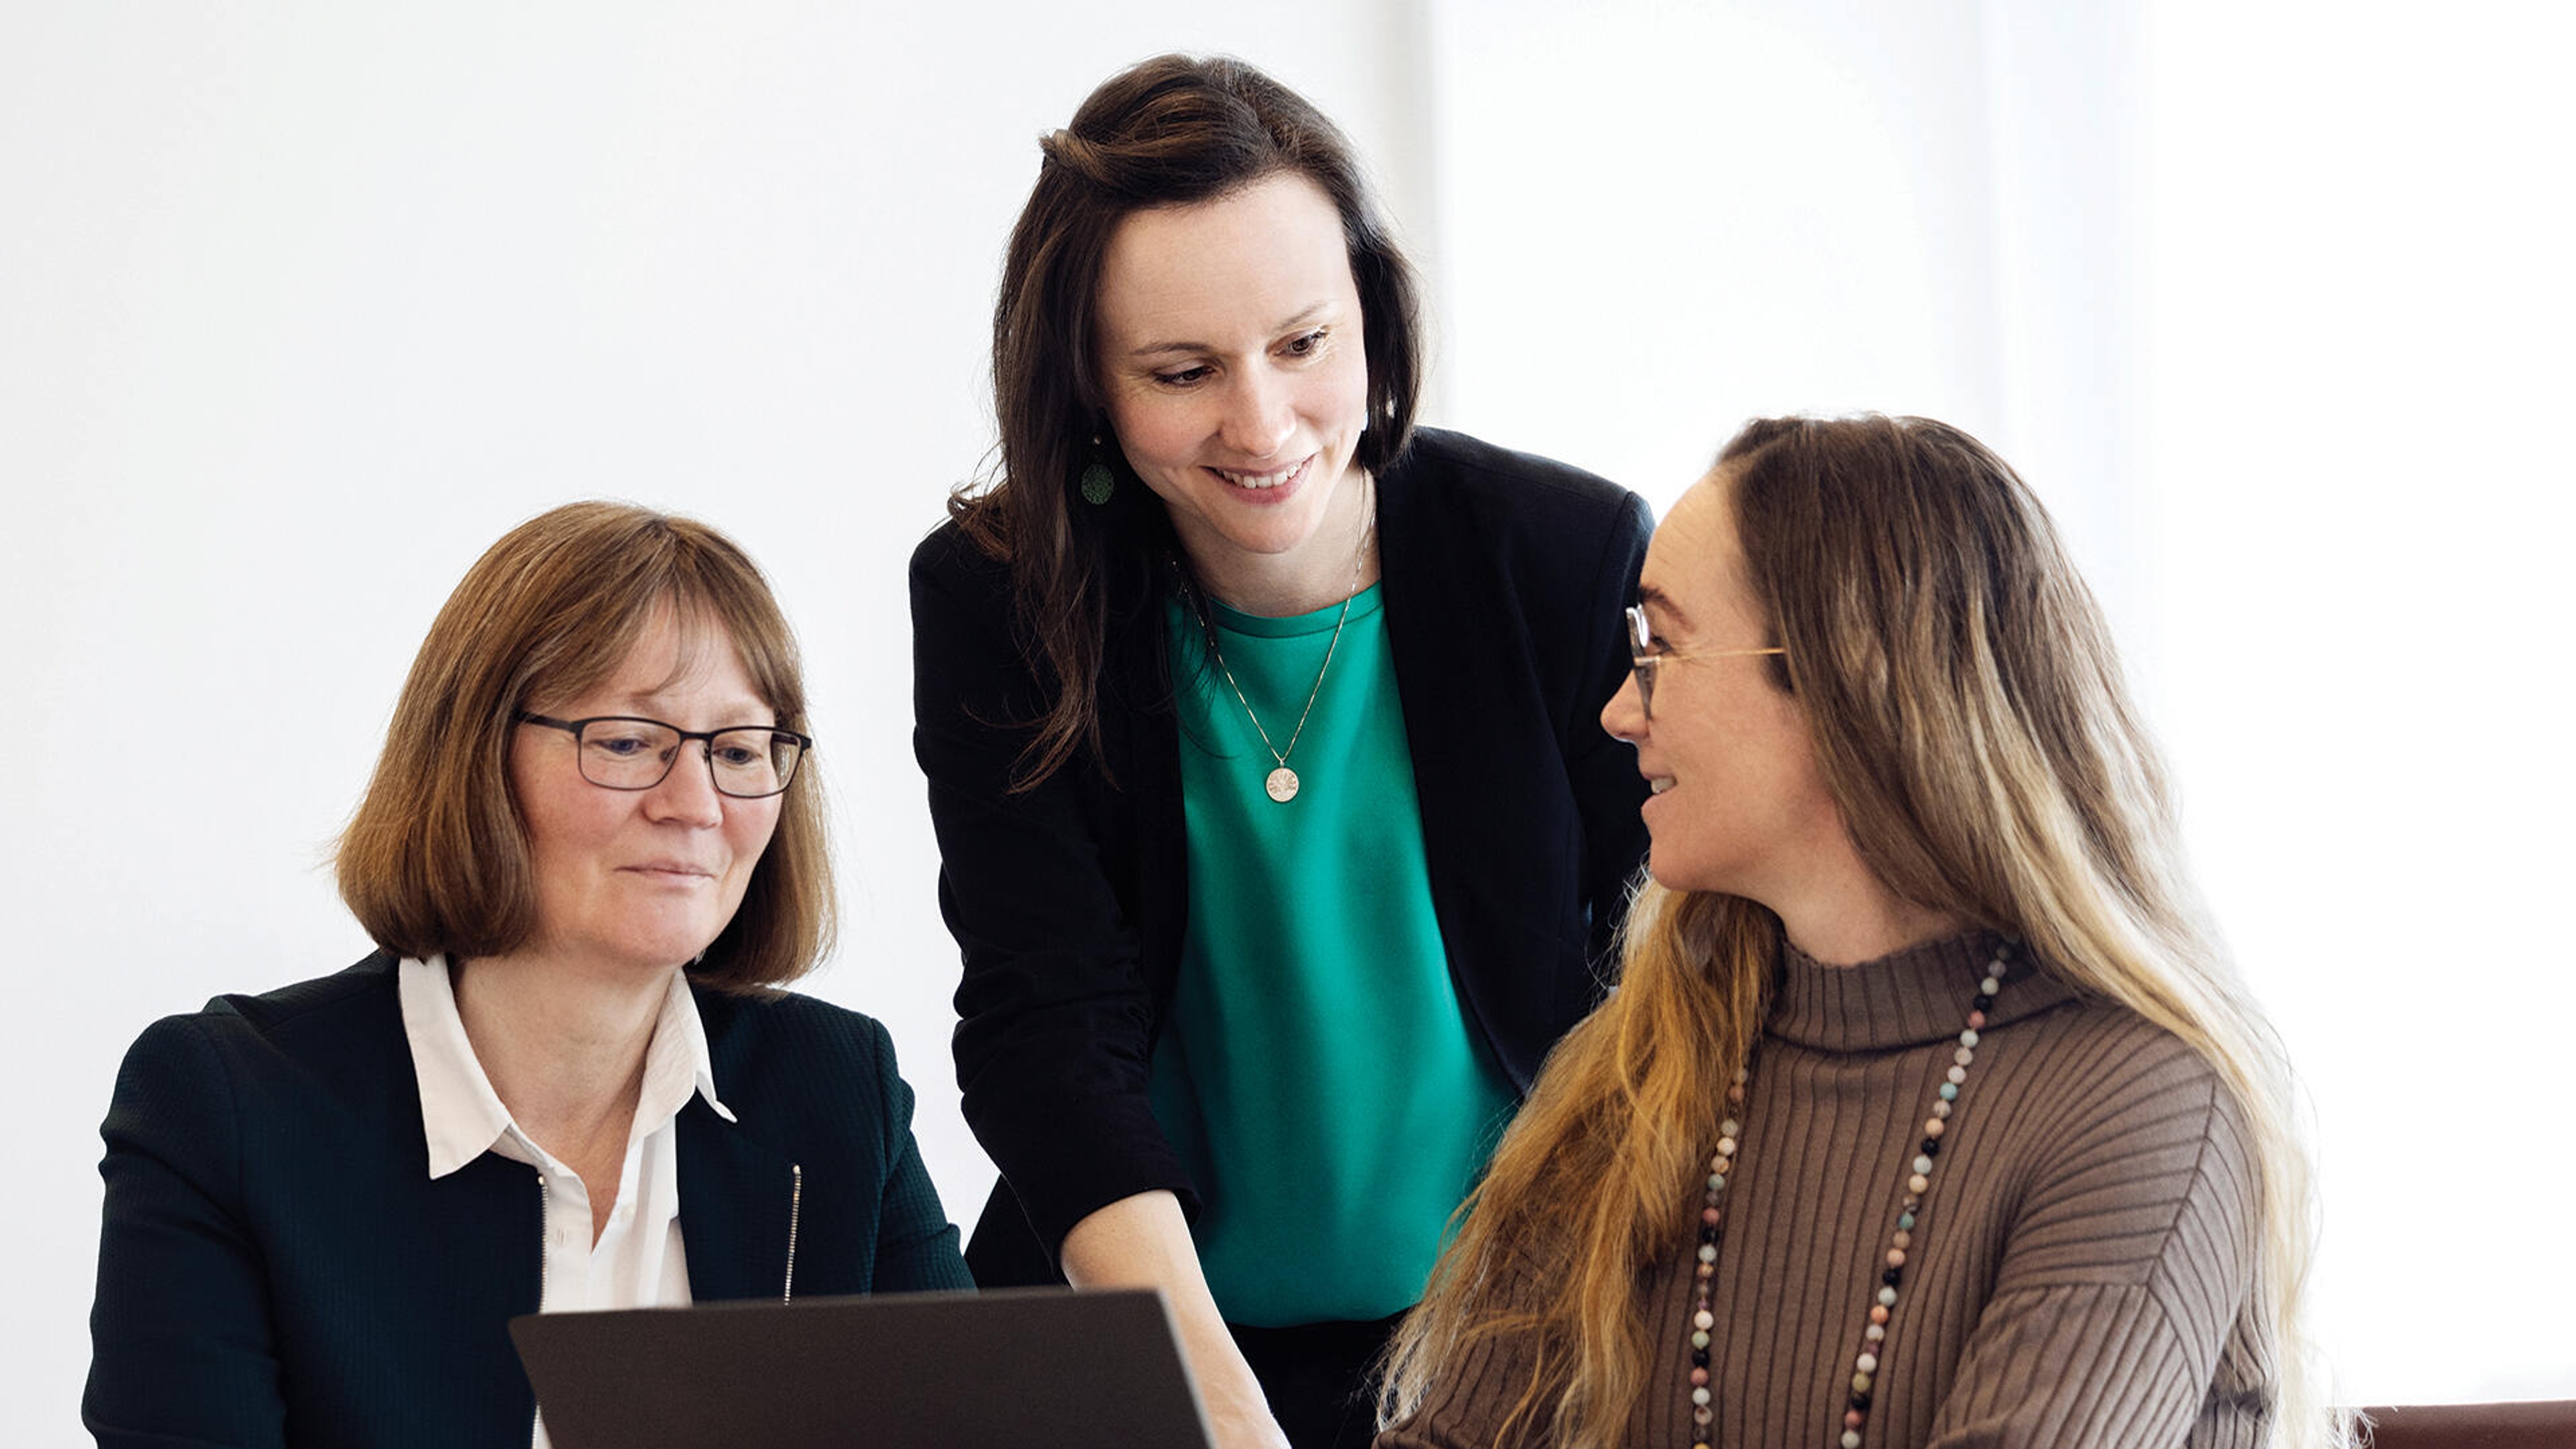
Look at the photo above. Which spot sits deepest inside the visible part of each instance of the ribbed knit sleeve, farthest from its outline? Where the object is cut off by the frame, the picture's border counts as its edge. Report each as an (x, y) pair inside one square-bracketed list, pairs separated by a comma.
[(1469, 1404), (2127, 1270)]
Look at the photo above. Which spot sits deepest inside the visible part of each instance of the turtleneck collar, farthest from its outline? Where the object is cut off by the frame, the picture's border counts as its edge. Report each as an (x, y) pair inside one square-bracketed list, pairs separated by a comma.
[(1907, 998)]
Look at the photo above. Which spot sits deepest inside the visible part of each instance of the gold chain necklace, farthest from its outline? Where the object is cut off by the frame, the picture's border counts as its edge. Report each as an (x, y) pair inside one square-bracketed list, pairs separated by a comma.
[(1282, 782)]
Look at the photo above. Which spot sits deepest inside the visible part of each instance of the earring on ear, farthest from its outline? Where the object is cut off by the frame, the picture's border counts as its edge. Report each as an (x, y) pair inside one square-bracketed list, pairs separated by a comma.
[(1098, 483)]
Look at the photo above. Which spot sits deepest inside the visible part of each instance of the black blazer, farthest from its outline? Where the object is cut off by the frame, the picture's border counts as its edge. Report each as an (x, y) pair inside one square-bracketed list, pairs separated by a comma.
[(1504, 576), (277, 1268)]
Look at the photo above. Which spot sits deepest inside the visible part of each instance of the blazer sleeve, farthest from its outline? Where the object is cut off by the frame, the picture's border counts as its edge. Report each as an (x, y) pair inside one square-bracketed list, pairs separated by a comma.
[(1055, 1029), (916, 1244), (182, 1348)]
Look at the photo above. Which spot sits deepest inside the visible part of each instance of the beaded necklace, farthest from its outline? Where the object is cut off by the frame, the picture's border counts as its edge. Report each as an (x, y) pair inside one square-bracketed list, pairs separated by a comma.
[(1916, 1178)]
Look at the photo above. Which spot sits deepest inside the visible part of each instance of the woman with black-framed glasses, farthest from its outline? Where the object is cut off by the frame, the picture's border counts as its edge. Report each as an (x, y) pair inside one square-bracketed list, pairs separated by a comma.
[(592, 846)]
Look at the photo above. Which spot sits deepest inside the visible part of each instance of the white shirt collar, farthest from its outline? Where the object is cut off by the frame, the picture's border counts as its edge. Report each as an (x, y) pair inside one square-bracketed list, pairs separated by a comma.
[(463, 1117)]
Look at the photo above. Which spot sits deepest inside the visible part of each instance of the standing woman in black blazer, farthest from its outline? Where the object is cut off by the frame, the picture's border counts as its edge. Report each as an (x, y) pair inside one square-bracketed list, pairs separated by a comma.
[(1278, 829)]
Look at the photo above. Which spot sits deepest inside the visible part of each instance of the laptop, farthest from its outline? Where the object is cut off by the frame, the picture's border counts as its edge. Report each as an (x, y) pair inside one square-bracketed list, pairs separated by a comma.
[(1078, 1370)]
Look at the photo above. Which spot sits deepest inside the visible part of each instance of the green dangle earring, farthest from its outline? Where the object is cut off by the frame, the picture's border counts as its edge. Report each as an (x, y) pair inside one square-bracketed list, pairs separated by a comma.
[(1098, 483)]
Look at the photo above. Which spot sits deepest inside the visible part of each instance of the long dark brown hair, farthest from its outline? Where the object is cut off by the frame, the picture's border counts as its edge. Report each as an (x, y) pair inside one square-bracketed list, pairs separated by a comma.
[(1968, 717), (1172, 131)]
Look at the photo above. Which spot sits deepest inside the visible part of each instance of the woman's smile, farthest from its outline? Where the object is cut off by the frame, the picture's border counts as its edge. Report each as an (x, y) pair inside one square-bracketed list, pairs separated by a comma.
[(1273, 487)]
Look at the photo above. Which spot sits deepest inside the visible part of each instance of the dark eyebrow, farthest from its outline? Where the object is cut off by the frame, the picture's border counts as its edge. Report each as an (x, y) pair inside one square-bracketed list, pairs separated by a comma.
[(1155, 349), (1648, 594)]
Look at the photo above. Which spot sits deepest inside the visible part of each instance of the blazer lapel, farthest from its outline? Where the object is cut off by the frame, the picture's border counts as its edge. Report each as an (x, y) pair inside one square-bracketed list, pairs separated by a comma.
[(736, 1198), (1473, 748), (1427, 604), (1141, 745)]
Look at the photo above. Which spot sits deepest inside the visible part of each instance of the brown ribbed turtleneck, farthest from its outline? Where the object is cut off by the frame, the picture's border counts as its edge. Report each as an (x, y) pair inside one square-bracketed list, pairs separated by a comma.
[(2081, 1267)]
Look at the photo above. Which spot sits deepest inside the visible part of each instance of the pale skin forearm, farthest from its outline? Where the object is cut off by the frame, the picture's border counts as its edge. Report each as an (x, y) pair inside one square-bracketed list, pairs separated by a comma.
[(1144, 1242)]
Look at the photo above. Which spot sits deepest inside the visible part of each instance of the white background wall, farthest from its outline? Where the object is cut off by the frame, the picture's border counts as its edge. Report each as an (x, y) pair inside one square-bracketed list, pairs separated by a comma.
[(301, 307)]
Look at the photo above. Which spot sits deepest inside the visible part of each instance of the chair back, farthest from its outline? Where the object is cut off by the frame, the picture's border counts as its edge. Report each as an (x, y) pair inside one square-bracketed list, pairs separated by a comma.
[(2550, 1424)]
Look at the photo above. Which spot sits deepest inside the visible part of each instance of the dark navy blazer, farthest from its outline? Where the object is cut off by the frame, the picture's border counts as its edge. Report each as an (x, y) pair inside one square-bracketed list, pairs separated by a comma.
[(276, 1266), (1504, 577)]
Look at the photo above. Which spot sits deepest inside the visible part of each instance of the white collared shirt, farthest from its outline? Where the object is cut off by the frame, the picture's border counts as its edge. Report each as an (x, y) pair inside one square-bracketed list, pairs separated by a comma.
[(639, 1260)]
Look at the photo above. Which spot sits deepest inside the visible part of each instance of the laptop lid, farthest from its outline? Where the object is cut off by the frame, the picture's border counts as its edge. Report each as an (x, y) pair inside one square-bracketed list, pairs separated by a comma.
[(896, 1371)]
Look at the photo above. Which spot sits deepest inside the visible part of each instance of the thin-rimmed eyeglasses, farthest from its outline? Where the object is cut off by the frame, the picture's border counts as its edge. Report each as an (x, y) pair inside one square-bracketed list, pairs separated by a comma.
[(1646, 652)]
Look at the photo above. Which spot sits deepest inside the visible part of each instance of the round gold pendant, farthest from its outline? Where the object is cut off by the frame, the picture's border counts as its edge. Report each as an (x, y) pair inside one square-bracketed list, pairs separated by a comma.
[(1282, 784)]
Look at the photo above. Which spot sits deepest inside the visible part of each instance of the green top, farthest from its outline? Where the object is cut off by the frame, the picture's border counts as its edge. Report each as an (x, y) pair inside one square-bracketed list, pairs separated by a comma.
[(1316, 1070)]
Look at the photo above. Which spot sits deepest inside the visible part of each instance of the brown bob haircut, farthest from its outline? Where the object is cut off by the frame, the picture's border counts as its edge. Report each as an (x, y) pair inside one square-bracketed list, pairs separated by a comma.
[(436, 857), (1176, 130)]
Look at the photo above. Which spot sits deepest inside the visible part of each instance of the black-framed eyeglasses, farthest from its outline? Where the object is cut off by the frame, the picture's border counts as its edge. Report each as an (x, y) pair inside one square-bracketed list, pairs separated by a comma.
[(1646, 652), (622, 752)]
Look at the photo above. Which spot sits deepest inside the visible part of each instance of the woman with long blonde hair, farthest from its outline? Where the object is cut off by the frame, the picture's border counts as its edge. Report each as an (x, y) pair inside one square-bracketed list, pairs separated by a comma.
[(1928, 1109)]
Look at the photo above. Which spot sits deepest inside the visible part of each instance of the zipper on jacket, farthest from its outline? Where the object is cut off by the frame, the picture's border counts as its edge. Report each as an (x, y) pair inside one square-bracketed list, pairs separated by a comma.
[(544, 1202), (787, 1290), (795, 1209)]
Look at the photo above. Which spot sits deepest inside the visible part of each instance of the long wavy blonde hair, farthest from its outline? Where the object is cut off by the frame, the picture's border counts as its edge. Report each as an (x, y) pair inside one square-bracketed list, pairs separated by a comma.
[(1968, 717)]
